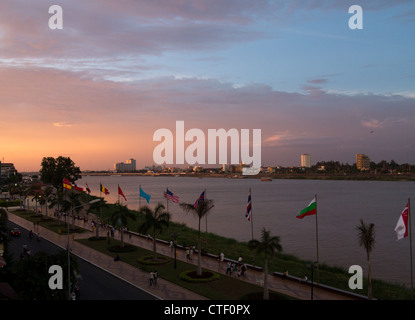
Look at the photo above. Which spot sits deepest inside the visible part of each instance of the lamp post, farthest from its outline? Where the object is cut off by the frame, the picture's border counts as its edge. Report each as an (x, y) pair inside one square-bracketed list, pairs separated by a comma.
[(312, 277), (68, 248), (174, 235)]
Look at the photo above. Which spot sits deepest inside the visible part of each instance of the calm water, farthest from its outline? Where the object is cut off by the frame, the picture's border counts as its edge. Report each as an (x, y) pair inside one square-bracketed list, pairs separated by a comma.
[(341, 205)]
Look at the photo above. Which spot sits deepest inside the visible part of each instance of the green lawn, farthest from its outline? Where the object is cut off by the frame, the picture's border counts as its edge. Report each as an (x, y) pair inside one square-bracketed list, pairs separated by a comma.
[(226, 288)]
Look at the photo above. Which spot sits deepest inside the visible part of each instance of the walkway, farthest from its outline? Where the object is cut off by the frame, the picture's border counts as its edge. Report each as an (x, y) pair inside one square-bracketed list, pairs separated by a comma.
[(164, 289)]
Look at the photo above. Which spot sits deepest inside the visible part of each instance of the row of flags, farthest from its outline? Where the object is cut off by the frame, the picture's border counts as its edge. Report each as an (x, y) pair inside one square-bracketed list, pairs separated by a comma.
[(401, 228), (67, 185)]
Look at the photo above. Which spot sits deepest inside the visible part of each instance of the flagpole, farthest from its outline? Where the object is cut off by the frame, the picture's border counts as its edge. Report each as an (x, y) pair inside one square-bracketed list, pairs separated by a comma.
[(139, 198), (410, 244), (252, 223), (167, 201), (318, 279)]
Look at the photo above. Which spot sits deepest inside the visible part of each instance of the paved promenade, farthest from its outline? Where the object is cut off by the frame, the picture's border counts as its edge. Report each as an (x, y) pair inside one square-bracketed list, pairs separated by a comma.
[(164, 289)]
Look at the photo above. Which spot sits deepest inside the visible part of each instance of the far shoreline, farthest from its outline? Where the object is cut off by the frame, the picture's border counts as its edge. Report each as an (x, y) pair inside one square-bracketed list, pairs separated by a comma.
[(266, 176)]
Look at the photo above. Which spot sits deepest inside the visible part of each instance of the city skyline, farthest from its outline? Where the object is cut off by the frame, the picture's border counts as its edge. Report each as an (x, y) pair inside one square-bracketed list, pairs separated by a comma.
[(99, 88)]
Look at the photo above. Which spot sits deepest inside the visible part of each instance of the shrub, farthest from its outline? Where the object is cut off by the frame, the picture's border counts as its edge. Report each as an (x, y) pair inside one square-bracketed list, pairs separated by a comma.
[(191, 276)]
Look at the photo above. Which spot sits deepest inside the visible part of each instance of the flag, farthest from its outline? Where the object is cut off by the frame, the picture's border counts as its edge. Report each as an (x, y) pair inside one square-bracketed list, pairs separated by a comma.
[(78, 188), (67, 184), (145, 195), (170, 196), (201, 198), (248, 208), (103, 189), (87, 189), (121, 193), (311, 209), (401, 228)]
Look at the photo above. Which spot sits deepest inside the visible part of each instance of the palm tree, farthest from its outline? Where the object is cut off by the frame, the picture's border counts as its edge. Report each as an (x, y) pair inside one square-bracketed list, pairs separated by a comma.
[(267, 246), (120, 217), (96, 207), (154, 219), (202, 209), (366, 237)]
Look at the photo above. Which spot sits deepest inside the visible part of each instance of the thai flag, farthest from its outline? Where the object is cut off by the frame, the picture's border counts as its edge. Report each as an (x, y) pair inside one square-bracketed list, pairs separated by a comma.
[(248, 208), (201, 198)]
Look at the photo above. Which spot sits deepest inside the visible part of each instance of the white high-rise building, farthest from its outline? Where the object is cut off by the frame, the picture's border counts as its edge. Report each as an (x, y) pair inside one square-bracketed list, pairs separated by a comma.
[(306, 160), (127, 166)]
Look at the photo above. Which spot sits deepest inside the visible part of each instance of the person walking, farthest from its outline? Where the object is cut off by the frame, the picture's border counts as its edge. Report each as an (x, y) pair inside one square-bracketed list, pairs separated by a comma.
[(229, 268), (151, 278)]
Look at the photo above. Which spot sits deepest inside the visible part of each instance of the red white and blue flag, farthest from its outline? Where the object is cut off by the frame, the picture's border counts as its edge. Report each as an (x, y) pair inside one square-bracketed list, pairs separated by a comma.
[(171, 196), (248, 207), (201, 198), (87, 189)]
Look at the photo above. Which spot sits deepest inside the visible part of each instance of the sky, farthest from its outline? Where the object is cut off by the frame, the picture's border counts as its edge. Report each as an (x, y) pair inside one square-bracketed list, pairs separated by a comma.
[(97, 89)]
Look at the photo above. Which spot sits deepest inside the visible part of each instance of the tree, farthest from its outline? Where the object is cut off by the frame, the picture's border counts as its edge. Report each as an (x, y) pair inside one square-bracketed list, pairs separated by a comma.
[(95, 208), (268, 246), (120, 217), (31, 276), (46, 198), (154, 219), (53, 171), (202, 209), (366, 237)]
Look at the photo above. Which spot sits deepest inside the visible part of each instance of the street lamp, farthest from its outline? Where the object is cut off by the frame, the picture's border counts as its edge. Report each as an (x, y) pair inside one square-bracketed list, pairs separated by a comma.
[(68, 249), (312, 277), (174, 235)]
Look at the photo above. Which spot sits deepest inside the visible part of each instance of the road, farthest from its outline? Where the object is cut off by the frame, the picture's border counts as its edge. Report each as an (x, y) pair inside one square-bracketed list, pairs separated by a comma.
[(96, 283)]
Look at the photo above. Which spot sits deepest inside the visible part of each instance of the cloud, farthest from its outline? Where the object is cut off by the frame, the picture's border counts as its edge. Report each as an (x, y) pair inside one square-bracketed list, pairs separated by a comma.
[(374, 123), (62, 125)]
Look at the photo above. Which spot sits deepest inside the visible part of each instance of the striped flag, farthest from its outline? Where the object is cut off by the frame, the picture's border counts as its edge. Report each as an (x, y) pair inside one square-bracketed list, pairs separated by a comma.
[(248, 207), (87, 189), (311, 209), (78, 188), (201, 198), (171, 196), (67, 185), (103, 189)]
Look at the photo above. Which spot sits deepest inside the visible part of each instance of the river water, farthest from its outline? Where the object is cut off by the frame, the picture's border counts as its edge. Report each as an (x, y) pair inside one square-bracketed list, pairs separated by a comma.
[(275, 204)]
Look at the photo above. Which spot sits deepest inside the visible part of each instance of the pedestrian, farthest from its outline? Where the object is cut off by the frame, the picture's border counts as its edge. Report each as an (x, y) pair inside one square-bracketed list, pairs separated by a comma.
[(151, 278), (222, 256), (285, 274), (229, 268), (187, 254), (155, 277), (243, 269), (235, 269), (191, 253)]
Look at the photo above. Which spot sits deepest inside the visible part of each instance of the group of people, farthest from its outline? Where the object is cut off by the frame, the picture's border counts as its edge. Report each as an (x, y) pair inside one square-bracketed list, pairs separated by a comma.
[(237, 269)]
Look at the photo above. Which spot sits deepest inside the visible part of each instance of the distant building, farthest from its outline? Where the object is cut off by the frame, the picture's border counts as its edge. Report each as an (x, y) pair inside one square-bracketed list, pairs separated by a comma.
[(306, 160), (127, 166), (7, 170), (362, 162)]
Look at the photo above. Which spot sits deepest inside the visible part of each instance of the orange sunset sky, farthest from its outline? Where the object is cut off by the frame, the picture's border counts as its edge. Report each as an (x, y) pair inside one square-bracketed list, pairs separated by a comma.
[(99, 88)]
